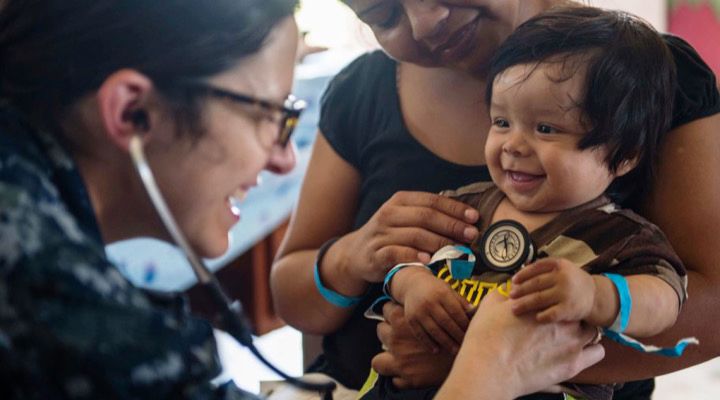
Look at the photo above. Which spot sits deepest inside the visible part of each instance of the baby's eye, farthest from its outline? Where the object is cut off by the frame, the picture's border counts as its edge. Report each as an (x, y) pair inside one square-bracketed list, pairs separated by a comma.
[(546, 129), (501, 123)]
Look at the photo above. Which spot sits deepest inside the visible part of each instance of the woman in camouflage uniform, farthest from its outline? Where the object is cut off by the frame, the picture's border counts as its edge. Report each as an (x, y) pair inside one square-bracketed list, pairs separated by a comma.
[(78, 79)]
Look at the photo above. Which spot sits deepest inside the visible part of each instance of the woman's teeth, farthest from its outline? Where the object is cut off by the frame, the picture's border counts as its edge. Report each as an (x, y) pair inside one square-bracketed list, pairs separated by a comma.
[(235, 200)]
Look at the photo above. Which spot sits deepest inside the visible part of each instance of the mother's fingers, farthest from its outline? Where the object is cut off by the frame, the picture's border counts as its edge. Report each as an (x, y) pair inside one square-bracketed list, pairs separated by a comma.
[(383, 333), (427, 334), (449, 226), (385, 364), (394, 313), (396, 327), (446, 205), (416, 238)]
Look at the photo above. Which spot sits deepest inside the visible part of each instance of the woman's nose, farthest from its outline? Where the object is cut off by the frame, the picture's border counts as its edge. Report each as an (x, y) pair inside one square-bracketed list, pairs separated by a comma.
[(427, 18), (282, 159)]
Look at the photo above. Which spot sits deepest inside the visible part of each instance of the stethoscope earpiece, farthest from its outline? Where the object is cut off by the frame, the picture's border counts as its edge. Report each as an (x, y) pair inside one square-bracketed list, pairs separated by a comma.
[(139, 119)]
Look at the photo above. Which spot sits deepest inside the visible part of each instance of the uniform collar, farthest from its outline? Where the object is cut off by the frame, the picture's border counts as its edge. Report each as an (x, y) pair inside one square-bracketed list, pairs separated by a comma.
[(50, 161)]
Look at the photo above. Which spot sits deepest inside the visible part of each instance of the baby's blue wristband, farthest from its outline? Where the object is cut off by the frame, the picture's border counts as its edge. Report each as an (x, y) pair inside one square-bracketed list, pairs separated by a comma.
[(623, 318), (614, 332), (394, 270)]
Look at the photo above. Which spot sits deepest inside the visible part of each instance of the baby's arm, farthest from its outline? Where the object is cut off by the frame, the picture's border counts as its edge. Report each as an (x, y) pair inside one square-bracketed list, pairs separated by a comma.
[(561, 291), (436, 314)]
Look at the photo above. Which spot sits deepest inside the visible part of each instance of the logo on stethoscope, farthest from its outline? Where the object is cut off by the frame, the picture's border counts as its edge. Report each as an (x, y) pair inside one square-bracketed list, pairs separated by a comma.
[(506, 246)]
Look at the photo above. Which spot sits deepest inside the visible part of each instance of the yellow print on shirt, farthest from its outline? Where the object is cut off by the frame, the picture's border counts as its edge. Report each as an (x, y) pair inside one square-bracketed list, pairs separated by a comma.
[(473, 290)]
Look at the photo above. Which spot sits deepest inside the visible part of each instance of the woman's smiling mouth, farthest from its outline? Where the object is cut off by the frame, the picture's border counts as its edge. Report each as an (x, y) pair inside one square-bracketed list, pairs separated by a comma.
[(459, 44)]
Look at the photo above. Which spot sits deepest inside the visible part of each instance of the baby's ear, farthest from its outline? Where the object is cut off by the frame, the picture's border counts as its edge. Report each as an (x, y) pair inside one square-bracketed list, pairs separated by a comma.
[(626, 166)]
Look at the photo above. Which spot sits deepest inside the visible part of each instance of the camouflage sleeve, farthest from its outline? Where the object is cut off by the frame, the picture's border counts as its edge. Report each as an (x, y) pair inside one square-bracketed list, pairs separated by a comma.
[(72, 327)]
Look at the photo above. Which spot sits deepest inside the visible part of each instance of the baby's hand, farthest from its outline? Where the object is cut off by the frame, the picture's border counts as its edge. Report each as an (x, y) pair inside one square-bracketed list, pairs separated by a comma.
[(555, 288), (437, 315)]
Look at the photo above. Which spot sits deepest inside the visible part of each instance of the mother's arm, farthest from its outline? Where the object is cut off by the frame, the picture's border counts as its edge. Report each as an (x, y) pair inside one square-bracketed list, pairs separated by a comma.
[(326, 208), (408, 227), (685, 204)]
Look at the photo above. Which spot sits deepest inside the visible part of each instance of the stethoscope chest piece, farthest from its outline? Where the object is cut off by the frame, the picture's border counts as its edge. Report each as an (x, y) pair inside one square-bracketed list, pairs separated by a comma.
[(506, 246)]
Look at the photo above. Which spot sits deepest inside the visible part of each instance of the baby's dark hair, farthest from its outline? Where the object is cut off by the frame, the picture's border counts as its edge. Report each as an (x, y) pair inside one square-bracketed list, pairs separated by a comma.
[(629, 81)]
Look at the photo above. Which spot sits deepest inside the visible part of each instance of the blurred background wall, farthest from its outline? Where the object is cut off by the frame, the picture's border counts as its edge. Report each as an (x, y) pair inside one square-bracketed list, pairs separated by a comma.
[(331, 24)]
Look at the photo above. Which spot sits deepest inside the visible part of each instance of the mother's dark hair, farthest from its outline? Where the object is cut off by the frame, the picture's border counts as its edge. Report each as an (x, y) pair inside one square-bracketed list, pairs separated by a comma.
[(629, 80), (52, 52)]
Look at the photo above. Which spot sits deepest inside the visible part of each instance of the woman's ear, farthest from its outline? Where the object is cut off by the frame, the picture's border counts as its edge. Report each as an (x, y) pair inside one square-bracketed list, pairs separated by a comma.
[(123, 103)]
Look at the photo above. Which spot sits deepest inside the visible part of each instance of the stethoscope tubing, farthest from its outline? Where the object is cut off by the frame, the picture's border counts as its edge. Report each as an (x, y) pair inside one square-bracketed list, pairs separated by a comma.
[(230, 312)]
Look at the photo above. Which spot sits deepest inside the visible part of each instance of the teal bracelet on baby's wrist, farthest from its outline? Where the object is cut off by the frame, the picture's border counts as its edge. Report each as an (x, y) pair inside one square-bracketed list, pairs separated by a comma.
[(625, 300), (394, 270), (331, 296), (615, 331)]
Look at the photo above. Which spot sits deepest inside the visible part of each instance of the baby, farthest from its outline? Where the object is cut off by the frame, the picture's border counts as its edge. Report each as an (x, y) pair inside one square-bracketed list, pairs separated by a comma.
[(579, 98)]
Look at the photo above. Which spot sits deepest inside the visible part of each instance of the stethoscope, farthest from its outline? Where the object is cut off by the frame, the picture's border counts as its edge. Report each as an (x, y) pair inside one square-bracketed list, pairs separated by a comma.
[(230, 313)]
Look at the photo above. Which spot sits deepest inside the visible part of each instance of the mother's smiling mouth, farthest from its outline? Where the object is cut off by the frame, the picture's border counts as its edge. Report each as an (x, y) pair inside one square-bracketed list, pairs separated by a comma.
[(459, 43)]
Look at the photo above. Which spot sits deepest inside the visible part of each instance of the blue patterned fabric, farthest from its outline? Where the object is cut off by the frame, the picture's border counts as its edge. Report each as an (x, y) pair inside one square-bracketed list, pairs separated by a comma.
[(71, 326)]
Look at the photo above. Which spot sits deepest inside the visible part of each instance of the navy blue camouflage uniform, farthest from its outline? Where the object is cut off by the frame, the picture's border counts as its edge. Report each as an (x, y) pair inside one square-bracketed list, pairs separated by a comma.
[(71, 326)]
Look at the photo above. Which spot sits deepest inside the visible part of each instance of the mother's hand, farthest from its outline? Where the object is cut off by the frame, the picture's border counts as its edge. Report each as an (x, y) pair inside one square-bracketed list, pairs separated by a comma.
[(406, 359), (407, 228)]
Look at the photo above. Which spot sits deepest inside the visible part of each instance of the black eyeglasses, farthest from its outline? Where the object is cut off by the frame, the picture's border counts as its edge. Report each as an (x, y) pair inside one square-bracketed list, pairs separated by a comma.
[(289, 111)]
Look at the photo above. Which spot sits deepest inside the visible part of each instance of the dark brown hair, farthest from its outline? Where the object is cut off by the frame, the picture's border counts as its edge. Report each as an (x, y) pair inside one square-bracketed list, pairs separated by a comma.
[(629, 80), (52, 52)]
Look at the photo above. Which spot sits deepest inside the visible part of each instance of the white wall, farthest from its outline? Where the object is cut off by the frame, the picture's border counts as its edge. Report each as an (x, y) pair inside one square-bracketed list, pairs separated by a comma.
[(332, 24), (654, 11)]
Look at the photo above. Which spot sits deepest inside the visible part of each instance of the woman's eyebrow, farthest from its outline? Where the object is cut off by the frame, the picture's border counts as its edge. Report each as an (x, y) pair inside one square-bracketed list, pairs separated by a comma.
[(369, 9)]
